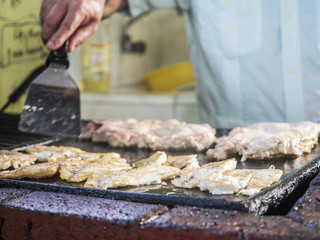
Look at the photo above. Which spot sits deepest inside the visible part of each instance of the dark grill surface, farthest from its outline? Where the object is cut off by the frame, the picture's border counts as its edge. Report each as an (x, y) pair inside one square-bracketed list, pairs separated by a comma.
[(295, 171), (11, 137), (45, 214)]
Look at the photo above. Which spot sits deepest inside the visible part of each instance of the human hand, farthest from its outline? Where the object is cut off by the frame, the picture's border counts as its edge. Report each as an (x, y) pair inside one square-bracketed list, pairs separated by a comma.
[(75, 20)]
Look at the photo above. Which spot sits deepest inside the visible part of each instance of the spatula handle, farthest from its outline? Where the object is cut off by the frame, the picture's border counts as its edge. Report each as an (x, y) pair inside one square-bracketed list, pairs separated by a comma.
[(59, 56)]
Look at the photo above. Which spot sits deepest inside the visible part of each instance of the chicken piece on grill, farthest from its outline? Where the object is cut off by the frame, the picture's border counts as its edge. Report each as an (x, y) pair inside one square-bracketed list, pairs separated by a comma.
[(190, 178), (40, 170), (78, 170), (160, 158), (15, 159), (183, 161), (267, 140), (227, 182), (261, 179), (84, 157), (242, 181), (156, 159), (54, 153), (133, 177), (222, 178), (87, 156), (154, 134)]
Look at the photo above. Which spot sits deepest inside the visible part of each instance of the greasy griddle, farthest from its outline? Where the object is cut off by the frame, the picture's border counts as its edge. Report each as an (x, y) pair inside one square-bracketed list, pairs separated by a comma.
[(295, 172)]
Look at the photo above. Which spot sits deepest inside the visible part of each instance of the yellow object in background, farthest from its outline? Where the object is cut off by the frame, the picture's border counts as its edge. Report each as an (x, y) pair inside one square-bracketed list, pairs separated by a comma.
[(96, 67), (170, 77), (96, 60), (21, 48)]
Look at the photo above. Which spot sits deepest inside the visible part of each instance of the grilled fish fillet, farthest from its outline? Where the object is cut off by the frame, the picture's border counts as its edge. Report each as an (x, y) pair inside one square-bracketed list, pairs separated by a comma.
[(15, 159), (190, 178), (77, 170), (267, 140), (41, 170), (154, 134), (54, 153), (134, 177)]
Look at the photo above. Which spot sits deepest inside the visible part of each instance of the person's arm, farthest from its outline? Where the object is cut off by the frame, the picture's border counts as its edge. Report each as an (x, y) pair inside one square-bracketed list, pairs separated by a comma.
[(75, 20)]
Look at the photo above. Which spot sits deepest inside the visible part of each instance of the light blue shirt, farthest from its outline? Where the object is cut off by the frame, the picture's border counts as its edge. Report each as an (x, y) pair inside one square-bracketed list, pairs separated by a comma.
[(254, 60)]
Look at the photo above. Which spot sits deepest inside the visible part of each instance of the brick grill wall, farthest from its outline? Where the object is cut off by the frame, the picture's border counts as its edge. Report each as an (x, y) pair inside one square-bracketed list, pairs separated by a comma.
[(28, 214)]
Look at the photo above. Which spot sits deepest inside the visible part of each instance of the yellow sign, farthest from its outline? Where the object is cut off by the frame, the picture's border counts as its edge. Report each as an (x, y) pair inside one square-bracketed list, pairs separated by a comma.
[(21, 48)]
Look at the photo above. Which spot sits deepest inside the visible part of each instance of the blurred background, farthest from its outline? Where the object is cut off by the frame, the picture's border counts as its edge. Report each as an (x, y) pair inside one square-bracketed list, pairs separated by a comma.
[(131, 67)]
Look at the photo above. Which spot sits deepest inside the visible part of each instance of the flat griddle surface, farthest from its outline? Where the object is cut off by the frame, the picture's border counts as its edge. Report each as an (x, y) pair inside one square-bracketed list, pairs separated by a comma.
[(295, 171)]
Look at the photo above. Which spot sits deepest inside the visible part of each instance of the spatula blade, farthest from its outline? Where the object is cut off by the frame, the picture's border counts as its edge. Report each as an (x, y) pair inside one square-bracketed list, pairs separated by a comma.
[(52, 107)]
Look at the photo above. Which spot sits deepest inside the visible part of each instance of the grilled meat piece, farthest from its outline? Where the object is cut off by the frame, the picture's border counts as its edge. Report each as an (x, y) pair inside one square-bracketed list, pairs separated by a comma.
[(183, 161), (156, 159), (40, 170), (133, 177), (54, 153), (241, 181), (222, 178), (261, 179), (78, 170), (15, 159), (227, 182), (267, 140), (87, 156), (154, 134), (160, 158), (190, 178)]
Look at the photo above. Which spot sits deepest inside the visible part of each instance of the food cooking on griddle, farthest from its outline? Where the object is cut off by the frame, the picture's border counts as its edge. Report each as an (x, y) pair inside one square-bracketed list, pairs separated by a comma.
[(154, 134), (222, 178), (156, 159), (39, 170), (133, 177), (78, 170), (182, 161), (110, 170), (15, 159), (190, 178), (160, 158), (267, 140), (54, 153)]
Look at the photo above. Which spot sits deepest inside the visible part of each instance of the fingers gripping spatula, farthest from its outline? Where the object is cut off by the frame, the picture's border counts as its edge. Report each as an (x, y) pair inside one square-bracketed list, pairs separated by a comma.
[(52, 106)]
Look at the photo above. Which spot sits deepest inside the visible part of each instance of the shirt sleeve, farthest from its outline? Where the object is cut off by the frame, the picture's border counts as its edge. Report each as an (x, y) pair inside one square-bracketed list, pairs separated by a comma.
[(137, 7)]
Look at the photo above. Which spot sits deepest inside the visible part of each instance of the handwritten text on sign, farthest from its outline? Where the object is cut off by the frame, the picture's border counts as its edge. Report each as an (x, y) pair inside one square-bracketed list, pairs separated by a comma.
[(20, 43)]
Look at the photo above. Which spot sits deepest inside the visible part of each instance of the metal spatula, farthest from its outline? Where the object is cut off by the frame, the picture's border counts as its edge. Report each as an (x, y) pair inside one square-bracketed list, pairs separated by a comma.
[(52, 106)]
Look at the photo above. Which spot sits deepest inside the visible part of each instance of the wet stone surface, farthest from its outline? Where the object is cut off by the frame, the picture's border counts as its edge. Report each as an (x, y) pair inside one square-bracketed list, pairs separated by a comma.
[(234, 224), (47, 215), (307, 209), (86, 206), (25, 224), (316, 181), (11, 193)]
